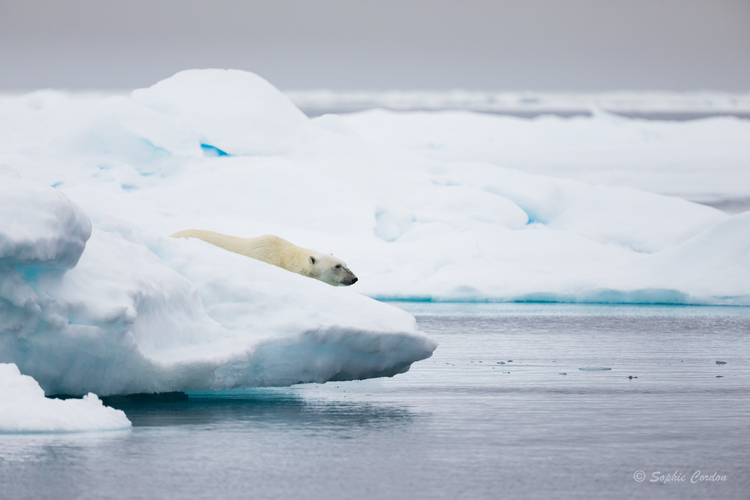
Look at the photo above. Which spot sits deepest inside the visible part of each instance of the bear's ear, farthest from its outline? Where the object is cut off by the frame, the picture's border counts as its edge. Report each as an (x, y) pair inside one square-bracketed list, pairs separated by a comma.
[(312, 260)]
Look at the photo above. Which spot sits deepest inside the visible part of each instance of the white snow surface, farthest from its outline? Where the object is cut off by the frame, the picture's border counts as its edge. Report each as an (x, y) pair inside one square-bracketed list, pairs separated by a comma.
[(704, 159), (223, 150), (25, 409)]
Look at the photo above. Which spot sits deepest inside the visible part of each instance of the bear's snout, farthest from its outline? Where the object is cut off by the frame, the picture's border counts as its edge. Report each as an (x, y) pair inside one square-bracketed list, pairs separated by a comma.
[(350, 280)]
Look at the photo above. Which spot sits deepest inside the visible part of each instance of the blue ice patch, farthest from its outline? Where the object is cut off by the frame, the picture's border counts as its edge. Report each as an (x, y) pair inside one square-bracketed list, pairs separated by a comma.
[(209, 150)]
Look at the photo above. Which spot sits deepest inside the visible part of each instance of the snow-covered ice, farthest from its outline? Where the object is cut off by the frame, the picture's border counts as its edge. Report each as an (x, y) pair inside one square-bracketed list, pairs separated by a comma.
[(174, 315), (136, 311), (25, 409), (49, 231), (703, 160)]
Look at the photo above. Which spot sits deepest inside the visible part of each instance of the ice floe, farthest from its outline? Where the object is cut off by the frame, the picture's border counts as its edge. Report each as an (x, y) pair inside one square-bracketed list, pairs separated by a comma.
[(25, 409), (125, 320), (137, 311)]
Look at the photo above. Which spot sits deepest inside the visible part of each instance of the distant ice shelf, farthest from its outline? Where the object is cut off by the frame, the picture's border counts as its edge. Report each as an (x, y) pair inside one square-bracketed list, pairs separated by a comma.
[(655, 105)]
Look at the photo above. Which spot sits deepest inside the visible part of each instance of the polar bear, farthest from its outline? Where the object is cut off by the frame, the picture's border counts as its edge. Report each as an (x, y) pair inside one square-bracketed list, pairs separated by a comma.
[(281, 253)]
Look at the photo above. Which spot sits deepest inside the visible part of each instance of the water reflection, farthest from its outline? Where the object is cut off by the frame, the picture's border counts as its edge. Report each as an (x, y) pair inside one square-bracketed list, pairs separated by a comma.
[(241, 411), (40, 447), (262, 407), (193, 443)]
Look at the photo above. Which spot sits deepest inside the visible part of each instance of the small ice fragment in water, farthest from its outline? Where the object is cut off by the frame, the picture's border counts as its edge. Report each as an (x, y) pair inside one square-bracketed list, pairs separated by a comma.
[(563, 374), (501, 362), (510, 361), (719, 376), (593, 369), (721, 362)]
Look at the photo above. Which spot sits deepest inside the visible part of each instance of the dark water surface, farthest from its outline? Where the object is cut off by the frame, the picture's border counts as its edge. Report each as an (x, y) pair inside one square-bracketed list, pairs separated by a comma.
[(458, 425)]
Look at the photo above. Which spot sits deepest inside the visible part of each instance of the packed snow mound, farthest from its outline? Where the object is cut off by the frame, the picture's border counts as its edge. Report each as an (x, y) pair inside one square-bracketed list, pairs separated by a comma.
[(40, 226), (225, 151), (231, 111), (25, 409), (631, 218)]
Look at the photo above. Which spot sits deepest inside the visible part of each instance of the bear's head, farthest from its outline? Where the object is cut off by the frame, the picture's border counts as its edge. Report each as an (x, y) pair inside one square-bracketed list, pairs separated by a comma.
[(331, 270)]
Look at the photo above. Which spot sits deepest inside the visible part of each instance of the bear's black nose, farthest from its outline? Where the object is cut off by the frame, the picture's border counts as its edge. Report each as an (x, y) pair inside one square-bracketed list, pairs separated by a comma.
[(354, 280)]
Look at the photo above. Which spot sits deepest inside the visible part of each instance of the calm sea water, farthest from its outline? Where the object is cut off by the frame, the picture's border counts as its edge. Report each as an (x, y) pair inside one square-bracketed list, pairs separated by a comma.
[(502, 410)]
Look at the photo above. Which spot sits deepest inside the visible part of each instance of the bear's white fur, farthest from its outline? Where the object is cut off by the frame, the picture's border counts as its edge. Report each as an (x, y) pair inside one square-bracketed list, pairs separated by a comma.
[(281, 253)]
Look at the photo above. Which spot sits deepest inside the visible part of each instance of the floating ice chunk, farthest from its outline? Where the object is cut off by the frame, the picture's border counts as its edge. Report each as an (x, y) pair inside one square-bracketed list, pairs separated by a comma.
[(193, 317), (25, 409)]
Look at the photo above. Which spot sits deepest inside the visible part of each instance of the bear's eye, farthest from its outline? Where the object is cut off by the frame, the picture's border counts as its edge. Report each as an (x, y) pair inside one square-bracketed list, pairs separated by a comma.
[(338, 266), (312, 259)]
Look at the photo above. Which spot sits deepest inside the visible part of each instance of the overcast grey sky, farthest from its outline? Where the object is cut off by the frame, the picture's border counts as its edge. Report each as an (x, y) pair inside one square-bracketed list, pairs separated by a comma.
[(579, 45)]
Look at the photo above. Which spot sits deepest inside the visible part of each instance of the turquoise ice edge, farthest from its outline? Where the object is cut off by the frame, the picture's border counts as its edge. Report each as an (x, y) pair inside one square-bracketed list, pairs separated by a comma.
[(643, 297)]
